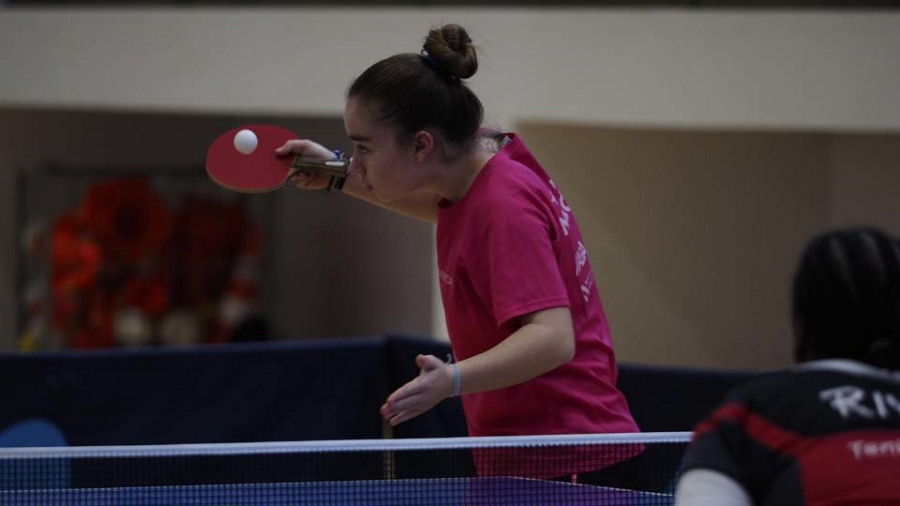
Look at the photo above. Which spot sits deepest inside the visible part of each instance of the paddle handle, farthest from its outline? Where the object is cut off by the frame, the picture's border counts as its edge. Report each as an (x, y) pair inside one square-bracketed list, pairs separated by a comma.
[(338, 167)]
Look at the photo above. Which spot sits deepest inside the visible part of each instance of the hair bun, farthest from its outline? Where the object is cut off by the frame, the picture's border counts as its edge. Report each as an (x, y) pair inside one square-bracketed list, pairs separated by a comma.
[(451, 49)]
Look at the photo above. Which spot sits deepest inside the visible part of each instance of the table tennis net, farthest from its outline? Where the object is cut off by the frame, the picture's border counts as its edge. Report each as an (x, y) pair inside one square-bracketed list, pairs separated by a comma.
[(618, 469)]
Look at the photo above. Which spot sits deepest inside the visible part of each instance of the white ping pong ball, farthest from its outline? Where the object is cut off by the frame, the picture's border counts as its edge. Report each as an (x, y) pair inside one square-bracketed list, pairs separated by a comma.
[(245, 141)]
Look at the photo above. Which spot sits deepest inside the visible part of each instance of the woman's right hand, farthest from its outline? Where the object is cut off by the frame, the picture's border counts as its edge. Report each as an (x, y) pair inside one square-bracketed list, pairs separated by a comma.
[(305, 147)]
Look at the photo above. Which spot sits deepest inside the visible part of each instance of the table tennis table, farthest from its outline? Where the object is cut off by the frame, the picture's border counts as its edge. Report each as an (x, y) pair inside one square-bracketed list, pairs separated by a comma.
[(436, 491)]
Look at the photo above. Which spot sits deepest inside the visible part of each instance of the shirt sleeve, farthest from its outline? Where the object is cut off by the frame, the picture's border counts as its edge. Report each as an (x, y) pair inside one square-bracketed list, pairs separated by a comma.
[(518, 272), (724, 444)]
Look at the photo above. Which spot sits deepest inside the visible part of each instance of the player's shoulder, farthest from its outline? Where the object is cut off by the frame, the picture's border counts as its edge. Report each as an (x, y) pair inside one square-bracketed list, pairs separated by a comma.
[(811, 376), (511, 187), (517, 166), (515, 174), (759, 389), (835, 372), (815, 397), (819, 373)]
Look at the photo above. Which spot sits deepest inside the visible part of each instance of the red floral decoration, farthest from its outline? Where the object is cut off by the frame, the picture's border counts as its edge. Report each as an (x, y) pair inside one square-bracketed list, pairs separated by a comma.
[(122, 251), (128, 218)]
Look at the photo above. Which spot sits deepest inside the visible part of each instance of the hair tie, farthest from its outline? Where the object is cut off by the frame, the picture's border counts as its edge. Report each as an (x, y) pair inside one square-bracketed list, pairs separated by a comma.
[(434, 64)]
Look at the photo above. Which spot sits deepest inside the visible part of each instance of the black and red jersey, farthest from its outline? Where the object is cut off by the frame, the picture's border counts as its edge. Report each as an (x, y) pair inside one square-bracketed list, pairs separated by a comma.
[(825, 432)]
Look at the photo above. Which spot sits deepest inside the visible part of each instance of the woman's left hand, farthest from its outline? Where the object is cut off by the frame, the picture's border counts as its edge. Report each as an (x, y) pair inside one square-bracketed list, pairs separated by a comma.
[(434, 384)]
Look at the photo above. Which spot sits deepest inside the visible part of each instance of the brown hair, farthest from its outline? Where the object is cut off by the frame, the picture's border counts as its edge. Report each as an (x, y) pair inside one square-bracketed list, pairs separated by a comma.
[(417, 91)]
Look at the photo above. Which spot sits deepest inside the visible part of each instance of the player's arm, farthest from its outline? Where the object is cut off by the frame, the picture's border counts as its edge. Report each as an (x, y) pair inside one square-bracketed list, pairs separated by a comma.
[(706, 487), (420, 206), (725, 464), (544, 341)]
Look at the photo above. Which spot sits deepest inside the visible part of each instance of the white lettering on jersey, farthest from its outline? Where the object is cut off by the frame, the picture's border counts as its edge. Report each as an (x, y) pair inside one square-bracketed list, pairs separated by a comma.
[(586, 288), (564, 209), (852, 401), (884, 403), (446, 278), (863, 449), (847, 400), (581, 258)]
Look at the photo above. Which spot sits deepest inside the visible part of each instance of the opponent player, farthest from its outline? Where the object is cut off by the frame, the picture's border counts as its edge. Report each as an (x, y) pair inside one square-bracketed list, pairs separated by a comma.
[(828, 430)]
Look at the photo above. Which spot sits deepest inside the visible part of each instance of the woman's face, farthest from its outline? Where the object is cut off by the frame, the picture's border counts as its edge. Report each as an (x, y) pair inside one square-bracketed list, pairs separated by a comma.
[(386, 167)]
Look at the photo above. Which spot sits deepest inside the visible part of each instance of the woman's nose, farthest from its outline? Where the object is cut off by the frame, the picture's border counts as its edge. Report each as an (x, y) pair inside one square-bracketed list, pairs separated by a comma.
[(356, 168)]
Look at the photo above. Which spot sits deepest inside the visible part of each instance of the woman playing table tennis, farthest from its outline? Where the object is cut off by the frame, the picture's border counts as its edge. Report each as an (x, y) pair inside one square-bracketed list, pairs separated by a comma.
[(528, 331)]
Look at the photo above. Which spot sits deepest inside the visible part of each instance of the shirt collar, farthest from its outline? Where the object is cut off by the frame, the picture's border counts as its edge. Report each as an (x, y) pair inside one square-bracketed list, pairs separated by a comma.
[(850, 367)]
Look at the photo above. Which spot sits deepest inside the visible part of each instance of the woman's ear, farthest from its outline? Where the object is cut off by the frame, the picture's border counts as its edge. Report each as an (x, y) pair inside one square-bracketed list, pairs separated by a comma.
[(423, 144)]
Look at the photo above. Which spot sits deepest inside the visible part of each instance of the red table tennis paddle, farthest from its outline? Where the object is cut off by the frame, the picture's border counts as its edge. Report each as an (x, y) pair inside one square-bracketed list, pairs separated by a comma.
[(243, 159)]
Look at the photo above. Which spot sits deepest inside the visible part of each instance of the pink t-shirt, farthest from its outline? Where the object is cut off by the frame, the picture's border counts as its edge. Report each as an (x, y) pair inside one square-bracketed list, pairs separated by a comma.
[(508, 248)]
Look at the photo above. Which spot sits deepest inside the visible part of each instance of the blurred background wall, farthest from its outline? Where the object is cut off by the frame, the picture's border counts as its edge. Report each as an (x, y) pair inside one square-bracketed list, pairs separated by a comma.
[(698, 149)]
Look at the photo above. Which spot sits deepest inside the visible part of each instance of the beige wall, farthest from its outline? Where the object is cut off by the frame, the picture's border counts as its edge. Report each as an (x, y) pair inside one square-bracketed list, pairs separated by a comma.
[(865, 181), (694, 235), (682, 67)]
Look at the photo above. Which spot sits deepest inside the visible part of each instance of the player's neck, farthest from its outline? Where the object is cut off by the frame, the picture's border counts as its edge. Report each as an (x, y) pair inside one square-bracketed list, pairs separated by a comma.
[(456, 178)]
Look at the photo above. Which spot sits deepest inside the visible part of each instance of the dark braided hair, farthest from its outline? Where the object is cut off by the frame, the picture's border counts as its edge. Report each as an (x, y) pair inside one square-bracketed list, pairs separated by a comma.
[(416, 91), (847, 298)]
